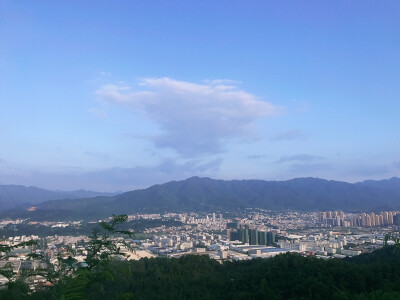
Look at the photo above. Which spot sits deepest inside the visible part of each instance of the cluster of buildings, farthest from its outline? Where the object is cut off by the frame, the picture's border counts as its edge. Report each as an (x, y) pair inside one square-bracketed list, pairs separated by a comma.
[(338, 218), (332, 218), (236, 236), (13, 240), (238, 232), (385, 218), (324, 245), (214, 245), (289, 220), (18, 260)]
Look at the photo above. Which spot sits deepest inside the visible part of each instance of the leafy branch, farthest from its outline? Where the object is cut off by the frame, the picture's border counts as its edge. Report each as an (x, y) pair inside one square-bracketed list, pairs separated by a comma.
[(101, 247), (393, 237)]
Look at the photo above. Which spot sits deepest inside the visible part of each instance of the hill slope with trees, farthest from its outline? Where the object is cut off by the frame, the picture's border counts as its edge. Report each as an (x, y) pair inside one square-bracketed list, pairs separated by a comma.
[(207, 194), (14, 196), (288, 276)]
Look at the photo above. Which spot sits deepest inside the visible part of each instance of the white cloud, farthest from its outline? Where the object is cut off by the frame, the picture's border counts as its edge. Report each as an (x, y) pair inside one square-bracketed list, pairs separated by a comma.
[(194, 118), (227, 82)]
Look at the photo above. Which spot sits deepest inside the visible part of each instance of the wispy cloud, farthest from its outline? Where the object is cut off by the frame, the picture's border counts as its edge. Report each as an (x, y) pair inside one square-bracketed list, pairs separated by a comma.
[(226, 82), (288, 136), (117, 178), (100, 78), (194, 118), (299, 157), (170, 166)]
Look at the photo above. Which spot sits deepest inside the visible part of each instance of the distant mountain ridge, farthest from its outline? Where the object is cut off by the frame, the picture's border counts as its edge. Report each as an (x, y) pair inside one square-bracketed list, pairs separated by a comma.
[(14, 196), (208, 194), (392, 184)]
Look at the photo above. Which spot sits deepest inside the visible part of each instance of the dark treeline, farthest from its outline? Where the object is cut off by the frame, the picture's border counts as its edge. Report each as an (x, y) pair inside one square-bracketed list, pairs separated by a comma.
[(288, 276)]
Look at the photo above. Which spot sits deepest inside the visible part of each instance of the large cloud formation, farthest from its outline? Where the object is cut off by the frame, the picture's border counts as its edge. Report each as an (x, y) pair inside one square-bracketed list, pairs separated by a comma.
[(194, 118)]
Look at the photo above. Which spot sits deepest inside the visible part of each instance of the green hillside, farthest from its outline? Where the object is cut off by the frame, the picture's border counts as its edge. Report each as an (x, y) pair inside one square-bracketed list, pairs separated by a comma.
[(208, 194), (288, 276)]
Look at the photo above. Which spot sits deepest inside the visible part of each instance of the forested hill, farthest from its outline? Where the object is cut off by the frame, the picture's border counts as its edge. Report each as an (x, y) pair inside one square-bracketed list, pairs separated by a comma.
[(392, 184), (209, 194), (287, 276), (12, 196)]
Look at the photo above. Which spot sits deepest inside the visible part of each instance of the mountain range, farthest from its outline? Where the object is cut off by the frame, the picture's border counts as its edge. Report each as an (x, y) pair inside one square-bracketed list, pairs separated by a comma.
[(206, 194), (392, 184), (14, 196)]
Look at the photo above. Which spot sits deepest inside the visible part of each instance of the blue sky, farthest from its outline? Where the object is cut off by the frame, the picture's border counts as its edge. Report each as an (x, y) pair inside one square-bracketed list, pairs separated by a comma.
[(119, 95)]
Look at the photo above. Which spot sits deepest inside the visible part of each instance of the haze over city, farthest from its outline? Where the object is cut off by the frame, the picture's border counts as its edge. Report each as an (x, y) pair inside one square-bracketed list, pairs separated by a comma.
[(115, 96)]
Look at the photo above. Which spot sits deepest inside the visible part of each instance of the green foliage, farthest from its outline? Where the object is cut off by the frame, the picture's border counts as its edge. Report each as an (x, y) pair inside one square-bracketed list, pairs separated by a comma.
[(288, 276), (379, 295), (101, 247), (6, 249), (15, 290), (395, 237), (84, 229), (74, 288), (70, 278)]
